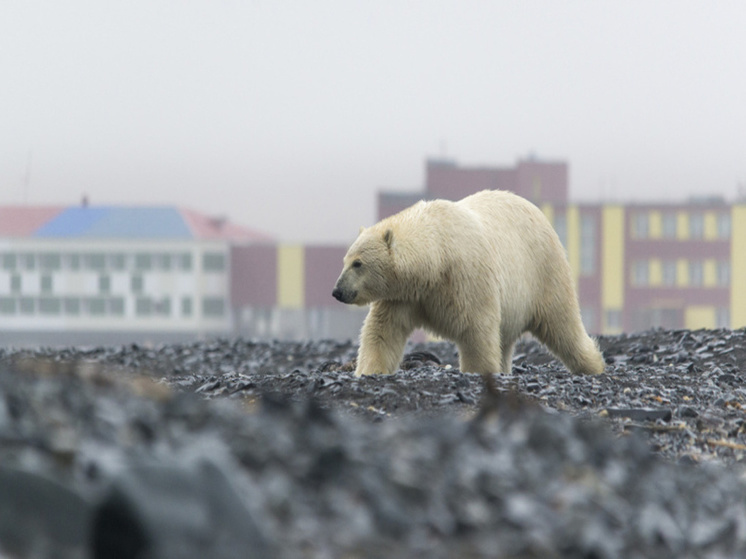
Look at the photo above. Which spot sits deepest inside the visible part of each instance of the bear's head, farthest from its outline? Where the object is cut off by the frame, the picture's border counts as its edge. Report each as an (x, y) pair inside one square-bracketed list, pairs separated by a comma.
[(367, 268)]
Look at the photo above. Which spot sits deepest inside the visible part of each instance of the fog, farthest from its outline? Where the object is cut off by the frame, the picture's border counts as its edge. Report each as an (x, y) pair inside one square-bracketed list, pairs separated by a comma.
[(289, 116)]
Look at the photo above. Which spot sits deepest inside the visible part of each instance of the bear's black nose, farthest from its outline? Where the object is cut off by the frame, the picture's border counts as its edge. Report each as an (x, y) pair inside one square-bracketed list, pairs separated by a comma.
[(337, 294)]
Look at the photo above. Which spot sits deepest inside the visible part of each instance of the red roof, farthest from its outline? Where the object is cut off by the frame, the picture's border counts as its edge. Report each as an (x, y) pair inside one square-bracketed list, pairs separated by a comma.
[(58, 221), (208, 228), (23, 221)]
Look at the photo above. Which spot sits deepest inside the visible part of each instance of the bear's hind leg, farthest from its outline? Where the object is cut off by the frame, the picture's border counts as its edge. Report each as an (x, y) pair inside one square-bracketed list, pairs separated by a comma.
[(570, 342), (480, 357), (506, 363)]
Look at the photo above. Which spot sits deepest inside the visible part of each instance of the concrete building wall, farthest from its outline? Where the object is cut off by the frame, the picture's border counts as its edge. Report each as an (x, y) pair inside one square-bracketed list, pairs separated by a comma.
[(536, 180), (738, 267), (254, 275), (612, 269), (115, 286)]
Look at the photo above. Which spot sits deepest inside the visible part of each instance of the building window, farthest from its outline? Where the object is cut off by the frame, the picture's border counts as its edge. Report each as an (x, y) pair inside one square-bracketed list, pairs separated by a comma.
[(136, 284), (641, 225), (723, 225), (143, 306), (560, 226), (71, 305), (668, 226), (696, 226), (186, 306), (143, 261), (669, 273), (614, 319), (116, 306), (49, 261), (118, 261), (27, 305), (10, 261), (213, 307), (587, 245), (213, 262), (50, 306), (46, 284), (162, 307), (15, 284), (185, 261), (588, 316), (7, 305), (104, 285), (94, 261), (72, 261), (96, 306), (641, 273), (696, 273), (722, 317), (163, 261), (723, 273), (28, 261)]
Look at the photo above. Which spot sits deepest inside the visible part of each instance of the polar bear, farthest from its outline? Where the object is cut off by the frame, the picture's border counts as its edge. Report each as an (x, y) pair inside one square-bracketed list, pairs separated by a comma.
[(480, 272)]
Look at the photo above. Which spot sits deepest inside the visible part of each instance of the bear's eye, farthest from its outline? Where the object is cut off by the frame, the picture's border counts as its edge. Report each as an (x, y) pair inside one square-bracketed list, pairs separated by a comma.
[(357, 264)]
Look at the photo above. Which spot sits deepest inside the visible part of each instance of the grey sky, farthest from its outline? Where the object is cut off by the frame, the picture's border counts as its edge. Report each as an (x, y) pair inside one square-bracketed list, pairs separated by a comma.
[(288, 116)]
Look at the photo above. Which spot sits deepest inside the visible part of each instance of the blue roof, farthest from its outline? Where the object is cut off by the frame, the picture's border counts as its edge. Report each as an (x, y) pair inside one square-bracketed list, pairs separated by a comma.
[(117, 223)]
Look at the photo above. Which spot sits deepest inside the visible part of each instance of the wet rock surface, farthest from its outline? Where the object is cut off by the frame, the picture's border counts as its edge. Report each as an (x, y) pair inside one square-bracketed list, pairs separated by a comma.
[(231, 448)]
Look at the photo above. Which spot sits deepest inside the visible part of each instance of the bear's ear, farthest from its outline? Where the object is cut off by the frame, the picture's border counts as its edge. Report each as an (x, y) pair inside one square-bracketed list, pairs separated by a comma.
[(361, 230), (388, 238)]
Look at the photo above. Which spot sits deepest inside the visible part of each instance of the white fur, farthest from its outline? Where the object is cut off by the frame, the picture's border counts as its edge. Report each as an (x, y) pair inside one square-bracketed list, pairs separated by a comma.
[(480, 272)]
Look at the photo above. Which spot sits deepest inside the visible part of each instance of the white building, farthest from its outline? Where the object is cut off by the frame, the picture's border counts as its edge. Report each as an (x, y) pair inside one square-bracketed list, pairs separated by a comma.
[(91, 275)]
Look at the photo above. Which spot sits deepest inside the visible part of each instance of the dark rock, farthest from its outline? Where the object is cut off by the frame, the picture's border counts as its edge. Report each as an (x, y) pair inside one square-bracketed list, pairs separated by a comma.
[(39, 515), (640, 414), (687, 411), (175, 512)]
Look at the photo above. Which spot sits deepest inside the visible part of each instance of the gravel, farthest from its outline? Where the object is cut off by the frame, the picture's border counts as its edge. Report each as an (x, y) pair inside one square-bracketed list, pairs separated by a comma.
[(233, 448)]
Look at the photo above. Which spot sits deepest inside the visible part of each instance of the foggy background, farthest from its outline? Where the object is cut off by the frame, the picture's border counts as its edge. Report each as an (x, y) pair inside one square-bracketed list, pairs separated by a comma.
[(288, 116)]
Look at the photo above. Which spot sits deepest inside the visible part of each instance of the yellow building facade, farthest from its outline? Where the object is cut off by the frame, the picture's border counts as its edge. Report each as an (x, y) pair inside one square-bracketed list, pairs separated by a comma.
[(672, 266)]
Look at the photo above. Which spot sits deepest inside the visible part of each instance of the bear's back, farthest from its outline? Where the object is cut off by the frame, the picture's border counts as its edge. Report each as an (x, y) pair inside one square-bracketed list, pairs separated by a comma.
[(500, 205), (518, 233)]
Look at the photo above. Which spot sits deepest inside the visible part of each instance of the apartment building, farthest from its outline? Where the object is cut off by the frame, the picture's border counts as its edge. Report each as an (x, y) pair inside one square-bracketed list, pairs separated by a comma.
[(93, 274), (636, 266), (658, 265)]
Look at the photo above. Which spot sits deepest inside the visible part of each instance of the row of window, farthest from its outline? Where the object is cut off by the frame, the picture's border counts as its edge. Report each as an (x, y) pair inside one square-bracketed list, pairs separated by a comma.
[(670, 273), (114, 261), (681, 225), (70, 306), (46, 284), (642, 319), (647, 225), (212, 307)]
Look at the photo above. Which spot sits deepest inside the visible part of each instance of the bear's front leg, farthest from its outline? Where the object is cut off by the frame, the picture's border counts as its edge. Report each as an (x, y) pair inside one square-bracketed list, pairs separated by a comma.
[(382, 339)]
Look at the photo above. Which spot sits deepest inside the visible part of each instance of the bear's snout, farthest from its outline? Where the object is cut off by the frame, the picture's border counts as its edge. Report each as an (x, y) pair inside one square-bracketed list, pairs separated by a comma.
[(343, 295)]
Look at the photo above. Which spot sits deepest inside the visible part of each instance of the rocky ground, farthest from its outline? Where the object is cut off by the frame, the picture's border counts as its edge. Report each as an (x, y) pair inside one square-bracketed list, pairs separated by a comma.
[(231, 448)]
